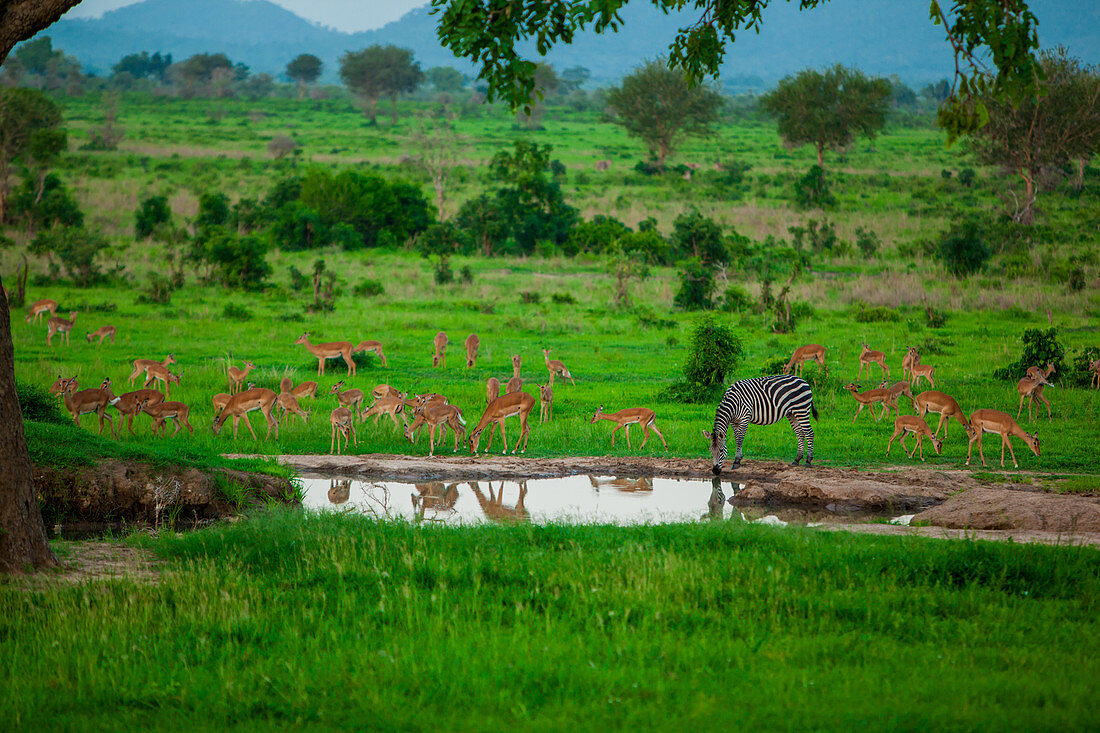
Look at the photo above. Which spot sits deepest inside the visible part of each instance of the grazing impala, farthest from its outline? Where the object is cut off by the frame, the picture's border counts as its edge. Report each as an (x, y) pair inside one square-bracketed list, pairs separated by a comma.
[(492, 389), (642, 416), (1094, 367), (473, 343), (374, 346), (343, 424), (102, 332), (868, 357), (517, 403), (164, 410), (906, 424), (994, 421), (331, 350), (870, 398), (546, 402), (388, 405), (897, 389), (428, 399), (439, 355), (946, 406), (60, 325), (242, 403), (515, 384), (1031, 387), (130, 404), (810, 352), (237, 377), (287, 403), (349, 397), (159, 373), (141, 366), (437, 416), (39, 307), (221, 399), (556, 367), (384, 390), (87, 401)]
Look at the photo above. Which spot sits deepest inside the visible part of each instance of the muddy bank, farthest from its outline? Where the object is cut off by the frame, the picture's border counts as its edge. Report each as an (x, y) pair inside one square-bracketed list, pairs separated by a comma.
[(131, 492), (943, 499)]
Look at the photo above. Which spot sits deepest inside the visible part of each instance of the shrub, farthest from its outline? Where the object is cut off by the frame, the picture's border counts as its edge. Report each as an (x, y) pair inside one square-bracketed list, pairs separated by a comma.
[(696, 286), (76, 249), (49, 205), (715, 352), (1078, 373), (39, 405), (530, 297), (298, 280), (151, 213), (811, 191), (237, 262), (281, 146), (368, 288), (819, 235), (158, 291), (867, 242), (234, 312), (597, 235), (648, 318), (563, 298), (466, 274), (963, 250), (1040, 348), (875, 314), (694, 235), (442, 272), (967, 176), (736, 299), (934, 318)]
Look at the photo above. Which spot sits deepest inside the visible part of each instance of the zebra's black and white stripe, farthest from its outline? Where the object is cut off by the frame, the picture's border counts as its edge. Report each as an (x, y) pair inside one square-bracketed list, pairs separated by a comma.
[(763, 401)]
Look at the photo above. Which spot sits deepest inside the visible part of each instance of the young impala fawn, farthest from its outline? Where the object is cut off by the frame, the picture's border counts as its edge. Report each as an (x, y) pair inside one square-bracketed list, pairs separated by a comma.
[(642, 416), (102, 332), (60, 325), (1031, 389), (1094, 367), (897, 389), (288, 404), (439, 355), (515, 384), (911, 357), (343, 424), (546, 401), (492, 389), (918, 370), (906, 424), (870, 398), (392, 405), (348, 398), (994, 421), (868, 357), (473, 343), (556, 367), (237, 377), (157, 372), (810, 352), (161, 411), (141, 366)]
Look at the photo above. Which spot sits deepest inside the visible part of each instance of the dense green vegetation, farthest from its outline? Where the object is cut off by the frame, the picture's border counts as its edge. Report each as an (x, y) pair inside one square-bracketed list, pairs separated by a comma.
[(335, 620)]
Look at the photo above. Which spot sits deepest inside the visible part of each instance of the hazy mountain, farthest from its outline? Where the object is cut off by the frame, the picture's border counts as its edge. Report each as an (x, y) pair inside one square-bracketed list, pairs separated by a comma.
[(878, 37)]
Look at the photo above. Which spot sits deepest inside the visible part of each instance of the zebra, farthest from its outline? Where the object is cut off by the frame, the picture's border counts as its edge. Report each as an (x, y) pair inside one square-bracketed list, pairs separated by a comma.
[(763, 401)]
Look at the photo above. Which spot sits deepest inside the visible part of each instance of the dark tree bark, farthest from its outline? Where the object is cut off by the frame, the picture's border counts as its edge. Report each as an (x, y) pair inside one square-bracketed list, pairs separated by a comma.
[(22, 533)]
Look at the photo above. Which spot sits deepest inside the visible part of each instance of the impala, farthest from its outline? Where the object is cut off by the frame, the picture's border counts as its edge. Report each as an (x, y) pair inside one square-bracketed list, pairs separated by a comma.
[(918, 370), (388, 405), (946, 406), (305, 389), (39, 307), (642, 416), (493, 505), (517, 403), (384, 390), (102, 332), (436, 496), (129, 405), (439, 355), (437, 416), (906, 424), (339, 490), (870, 398), (220, 400), (868, 357), (60, 325), (911, 357), (141, 366), (546, 401), (428, 399), (242, 403), (349, 397), (164, 410), (473, 343), (1094, 367), (159, 373), (994, 421), (810, 352), (1031, 387), (343, 424), (58, 387), (515, 384), (287, 403), (331, 350), (556, 367), (492, 389), (897, 389), (374, 346), (88, 401), (237, 376), (516, 362)]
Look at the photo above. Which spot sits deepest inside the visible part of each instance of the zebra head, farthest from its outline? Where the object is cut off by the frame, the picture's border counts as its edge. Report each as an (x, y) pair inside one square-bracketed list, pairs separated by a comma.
[(717, 449)]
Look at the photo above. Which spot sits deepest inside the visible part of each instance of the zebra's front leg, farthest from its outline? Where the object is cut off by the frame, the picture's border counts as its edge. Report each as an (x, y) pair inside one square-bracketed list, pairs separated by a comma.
[(739, 436)]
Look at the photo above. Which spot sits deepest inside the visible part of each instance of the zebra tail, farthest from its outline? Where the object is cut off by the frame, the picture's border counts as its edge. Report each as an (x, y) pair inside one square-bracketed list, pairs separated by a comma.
[(813, 410)]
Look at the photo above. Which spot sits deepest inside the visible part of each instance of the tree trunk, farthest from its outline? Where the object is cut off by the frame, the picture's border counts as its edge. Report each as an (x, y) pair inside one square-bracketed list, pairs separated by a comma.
[(301, 89), (393, 109), (821, 154), (1079, 175), (21, 19), (22, 533), (1025, 214), (439, 182)]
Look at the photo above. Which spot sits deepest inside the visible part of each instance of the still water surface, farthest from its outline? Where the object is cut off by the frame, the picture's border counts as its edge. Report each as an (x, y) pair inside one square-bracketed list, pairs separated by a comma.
[(571, 499)]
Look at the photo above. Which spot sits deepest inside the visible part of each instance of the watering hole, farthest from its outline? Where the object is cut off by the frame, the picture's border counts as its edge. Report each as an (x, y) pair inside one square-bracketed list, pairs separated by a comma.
[(583, 499)]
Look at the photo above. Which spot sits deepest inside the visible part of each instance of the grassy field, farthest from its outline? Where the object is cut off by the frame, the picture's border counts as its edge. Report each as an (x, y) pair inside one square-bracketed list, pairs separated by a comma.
[(336, 621)]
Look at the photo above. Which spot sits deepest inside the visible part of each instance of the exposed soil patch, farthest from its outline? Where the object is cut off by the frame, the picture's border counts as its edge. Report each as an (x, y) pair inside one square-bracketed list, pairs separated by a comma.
[(90, 560)]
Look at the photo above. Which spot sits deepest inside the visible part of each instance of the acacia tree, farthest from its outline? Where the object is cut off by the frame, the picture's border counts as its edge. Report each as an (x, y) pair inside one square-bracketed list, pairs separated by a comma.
[(29, 133), (662, 106), (828, 110), (22, 533), (1035, 138), (378, 71), (1004, 31), (305, 69)]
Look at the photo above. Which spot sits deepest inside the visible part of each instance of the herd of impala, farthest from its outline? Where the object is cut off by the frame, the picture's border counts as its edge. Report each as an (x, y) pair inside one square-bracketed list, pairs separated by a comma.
[(433, 410)]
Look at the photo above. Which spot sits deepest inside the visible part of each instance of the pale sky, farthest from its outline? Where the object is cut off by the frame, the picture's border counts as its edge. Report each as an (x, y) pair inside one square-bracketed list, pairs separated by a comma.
[(345, 15)]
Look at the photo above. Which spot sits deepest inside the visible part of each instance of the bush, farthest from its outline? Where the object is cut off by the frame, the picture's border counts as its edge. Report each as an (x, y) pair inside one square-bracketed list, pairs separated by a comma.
[(158, 291), (442, 272), (152, 213), (875, 314), (76, 248), (867, 242), (715, 352), (298, 280), (466, 274), (694, 235), (648, 318), (234, 312), (819, 235), (1040, 348), (237, 262), (736, 299), (1078, 373), (530, 297), (39, 405), (811, 191), (597, 235), (963, 250), (696, 286), (563, 298), (368, 288), (967, 176)]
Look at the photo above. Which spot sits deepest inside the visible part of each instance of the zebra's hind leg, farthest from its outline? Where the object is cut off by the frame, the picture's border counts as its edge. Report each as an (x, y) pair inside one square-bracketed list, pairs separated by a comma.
[(798, 438)]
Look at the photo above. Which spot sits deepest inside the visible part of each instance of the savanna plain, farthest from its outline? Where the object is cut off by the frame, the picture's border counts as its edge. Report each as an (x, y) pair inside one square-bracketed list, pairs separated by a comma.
[(288, 617)]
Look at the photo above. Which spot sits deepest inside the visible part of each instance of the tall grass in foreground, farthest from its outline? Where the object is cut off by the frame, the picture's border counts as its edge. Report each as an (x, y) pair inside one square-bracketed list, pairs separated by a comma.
[(331, 620)]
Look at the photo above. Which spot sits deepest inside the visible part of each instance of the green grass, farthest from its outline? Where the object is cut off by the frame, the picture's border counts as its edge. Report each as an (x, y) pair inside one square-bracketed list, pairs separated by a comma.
[(330, 621)]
